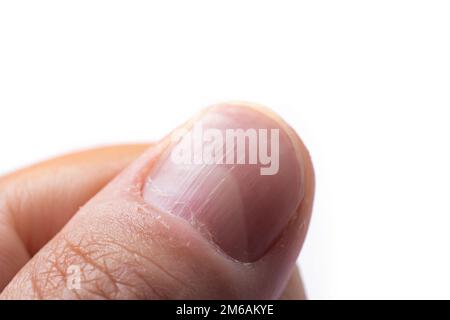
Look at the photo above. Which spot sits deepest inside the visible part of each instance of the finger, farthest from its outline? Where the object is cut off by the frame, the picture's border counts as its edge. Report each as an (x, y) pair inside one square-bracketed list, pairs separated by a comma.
[(165, 229), (294, 289), (37, 201), (42, 198), (103, 164)]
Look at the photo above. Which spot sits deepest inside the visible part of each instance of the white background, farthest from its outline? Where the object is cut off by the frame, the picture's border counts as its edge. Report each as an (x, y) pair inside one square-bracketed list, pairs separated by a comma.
[(365, 83)]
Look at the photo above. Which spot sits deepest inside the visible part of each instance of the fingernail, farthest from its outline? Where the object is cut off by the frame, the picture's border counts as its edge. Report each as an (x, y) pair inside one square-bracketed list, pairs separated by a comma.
[(240, 195)]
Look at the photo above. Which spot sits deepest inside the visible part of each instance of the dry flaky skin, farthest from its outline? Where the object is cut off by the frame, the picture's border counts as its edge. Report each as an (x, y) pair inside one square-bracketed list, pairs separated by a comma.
[(148, 273), (124, 247)]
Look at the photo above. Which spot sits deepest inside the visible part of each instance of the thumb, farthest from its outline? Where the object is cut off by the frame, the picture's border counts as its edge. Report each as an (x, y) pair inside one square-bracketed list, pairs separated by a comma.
[(217, 210)]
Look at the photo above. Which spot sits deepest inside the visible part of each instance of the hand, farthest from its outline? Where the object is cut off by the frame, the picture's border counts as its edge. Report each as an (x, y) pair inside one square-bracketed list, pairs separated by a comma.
[(132, 223)]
